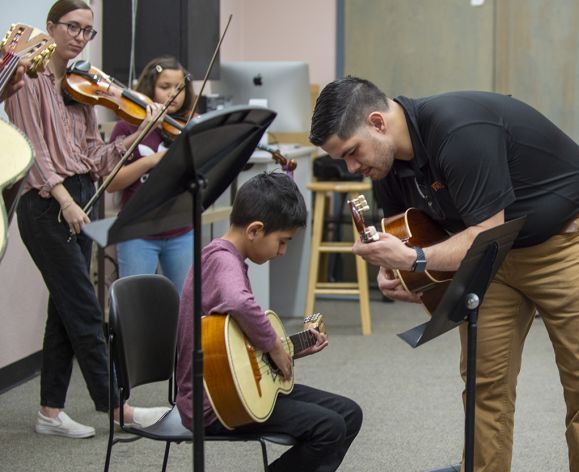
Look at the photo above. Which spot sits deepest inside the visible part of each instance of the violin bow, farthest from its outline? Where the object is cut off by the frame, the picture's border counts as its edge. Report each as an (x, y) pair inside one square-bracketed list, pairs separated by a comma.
[(194, 107), (88, 207)]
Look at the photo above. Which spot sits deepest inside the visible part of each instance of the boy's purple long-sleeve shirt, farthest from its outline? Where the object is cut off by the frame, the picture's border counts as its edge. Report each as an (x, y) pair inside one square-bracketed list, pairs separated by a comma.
[(225, 289)]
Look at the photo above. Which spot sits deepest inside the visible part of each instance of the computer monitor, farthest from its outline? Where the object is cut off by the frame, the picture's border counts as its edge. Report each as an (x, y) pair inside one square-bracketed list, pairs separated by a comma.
[(284, 84)]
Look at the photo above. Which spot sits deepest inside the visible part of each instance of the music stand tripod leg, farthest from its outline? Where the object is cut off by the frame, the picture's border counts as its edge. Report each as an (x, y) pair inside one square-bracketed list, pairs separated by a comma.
[(472, 303)]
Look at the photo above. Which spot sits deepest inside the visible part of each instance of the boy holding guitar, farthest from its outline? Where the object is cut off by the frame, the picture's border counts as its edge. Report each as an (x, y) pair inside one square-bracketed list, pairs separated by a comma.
[(472, 160), (267, 212)]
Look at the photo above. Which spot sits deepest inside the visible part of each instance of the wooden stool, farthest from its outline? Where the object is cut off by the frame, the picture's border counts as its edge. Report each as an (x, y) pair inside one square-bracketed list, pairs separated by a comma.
[(360, 287)]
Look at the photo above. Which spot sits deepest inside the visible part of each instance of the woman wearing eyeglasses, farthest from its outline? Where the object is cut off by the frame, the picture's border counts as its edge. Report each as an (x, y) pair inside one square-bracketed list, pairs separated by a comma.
[(70, 156)]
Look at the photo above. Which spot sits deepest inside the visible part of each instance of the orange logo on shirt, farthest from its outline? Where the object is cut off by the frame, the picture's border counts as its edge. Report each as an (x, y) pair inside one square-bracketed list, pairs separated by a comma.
[(437, 185)]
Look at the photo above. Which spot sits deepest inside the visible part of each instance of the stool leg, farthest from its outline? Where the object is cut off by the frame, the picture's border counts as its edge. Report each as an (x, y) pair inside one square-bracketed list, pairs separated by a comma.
[(362, 275), (317, 232)]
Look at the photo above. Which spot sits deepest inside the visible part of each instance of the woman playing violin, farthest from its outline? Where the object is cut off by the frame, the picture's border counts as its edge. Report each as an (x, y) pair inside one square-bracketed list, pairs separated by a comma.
[(172, 250), (70, 156)]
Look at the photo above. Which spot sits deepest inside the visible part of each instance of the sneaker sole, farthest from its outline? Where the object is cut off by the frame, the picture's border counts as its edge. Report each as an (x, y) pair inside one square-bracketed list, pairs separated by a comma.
[(54, 432)]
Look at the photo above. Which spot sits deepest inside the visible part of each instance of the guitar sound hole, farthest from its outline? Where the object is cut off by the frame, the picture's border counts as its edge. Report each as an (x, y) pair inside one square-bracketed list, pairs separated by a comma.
[(273, 368)]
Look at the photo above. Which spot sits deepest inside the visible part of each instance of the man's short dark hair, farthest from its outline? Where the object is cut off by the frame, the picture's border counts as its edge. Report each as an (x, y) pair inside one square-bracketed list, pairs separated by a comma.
[(343, 106), (272, 198)]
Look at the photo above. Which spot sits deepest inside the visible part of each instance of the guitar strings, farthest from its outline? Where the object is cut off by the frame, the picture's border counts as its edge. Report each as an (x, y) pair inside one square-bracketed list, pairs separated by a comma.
[(304, 338), (8, 67)]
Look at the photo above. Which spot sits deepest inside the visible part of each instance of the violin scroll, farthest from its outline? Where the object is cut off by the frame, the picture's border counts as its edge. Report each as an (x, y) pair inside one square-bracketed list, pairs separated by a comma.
[(287, 164)]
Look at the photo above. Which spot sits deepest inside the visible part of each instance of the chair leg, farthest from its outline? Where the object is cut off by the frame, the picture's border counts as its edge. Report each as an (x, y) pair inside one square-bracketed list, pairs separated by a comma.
[(264, 454), (109, 450), (166, 457), (111, 415)]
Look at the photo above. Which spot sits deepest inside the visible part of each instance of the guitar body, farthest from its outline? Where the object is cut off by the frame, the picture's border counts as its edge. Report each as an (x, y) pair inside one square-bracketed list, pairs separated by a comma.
[(416, 228), (241, 383), (16, 157)]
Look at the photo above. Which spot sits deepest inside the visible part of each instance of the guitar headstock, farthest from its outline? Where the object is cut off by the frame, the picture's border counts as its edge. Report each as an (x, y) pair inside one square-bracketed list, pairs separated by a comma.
[(315, 321), (29, 43), (358, 206)]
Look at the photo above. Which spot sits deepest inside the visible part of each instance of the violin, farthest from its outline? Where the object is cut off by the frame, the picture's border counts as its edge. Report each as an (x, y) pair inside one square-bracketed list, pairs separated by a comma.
[(287, 164), (86, 84)]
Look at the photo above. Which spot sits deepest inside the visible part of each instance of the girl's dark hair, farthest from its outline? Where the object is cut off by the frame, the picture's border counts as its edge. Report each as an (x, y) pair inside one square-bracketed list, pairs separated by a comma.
[(272, 198), (62, 7), (151, 72)]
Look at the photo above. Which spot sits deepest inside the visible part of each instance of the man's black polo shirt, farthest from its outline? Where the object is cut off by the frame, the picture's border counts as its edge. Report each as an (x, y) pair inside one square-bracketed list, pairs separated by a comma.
[(476, 153)]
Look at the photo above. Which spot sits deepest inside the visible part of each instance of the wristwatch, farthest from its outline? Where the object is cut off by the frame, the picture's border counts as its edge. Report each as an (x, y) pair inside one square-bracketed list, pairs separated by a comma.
[(420, 262)]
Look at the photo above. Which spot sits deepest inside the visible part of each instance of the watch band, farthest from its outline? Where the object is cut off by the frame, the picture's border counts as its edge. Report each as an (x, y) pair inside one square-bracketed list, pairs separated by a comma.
[(420, 262)]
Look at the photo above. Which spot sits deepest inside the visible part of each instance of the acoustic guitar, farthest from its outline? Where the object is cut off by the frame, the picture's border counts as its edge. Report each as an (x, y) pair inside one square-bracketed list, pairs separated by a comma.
[(16, 154), (414, 228), (241, 381)]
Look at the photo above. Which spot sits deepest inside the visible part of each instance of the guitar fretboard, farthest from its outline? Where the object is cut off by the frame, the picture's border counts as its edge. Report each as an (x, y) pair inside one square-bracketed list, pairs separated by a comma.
[(302, 340)]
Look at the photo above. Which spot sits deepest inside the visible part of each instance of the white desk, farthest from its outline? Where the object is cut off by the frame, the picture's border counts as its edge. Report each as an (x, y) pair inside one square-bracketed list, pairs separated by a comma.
[(281, 284)]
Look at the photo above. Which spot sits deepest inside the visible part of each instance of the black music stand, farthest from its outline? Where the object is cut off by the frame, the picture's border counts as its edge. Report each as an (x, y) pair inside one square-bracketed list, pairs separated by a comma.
[(198, 167), (461, 302)]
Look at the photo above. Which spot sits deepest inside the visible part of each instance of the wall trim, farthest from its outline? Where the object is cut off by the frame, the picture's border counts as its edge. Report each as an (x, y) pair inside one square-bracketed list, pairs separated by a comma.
[(20, 371)]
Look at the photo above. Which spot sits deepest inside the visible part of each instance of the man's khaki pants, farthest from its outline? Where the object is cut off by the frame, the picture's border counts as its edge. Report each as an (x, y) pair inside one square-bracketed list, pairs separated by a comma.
[(544, 278)]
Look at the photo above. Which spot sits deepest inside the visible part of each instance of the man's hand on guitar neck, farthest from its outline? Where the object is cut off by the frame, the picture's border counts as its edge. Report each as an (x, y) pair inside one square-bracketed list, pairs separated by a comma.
[(389, 252)]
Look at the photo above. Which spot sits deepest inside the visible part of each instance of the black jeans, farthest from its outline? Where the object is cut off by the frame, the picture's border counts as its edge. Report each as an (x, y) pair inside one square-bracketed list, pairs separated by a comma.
[(325, 424), (74, 326)]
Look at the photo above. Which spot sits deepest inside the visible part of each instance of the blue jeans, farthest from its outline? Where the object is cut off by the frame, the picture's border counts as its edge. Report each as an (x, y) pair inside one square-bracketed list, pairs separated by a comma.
[(142, 256), (74, 326)]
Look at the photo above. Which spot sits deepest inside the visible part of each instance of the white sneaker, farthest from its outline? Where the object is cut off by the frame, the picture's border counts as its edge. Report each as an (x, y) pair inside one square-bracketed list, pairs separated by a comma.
[(62, 425), (143, 417)]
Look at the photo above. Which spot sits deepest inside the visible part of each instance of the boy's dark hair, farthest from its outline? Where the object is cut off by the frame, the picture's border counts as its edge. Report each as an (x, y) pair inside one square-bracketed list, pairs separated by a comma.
[(343, 107), (272, 198)]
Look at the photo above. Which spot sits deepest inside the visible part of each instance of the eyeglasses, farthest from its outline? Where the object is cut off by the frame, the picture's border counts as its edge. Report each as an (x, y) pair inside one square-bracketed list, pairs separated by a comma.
[(73, 29)]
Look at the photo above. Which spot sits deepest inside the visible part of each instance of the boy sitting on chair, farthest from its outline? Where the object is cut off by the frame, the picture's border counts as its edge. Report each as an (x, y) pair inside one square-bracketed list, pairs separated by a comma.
[(267, 212)]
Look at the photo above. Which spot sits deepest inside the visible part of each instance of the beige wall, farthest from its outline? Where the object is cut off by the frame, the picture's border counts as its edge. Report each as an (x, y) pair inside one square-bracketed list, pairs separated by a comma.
[(297, 30), (260, 30)]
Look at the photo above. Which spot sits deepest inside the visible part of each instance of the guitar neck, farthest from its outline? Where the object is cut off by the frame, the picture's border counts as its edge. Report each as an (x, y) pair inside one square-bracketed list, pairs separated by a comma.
[(302, 340), (9, 64)]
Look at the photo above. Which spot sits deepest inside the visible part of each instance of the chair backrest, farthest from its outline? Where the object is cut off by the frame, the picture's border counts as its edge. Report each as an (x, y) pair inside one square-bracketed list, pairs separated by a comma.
[(143, 315)]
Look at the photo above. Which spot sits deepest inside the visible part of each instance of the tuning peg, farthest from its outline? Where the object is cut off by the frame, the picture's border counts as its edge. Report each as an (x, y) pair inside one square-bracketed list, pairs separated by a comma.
[(370, 234)]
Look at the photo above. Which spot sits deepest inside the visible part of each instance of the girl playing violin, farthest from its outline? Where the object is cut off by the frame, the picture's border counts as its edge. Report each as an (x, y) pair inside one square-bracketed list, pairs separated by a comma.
[(172, 250), (70, 156)]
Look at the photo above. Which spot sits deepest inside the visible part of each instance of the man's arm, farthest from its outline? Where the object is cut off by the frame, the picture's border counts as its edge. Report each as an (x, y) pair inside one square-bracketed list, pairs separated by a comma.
[(391, 253)]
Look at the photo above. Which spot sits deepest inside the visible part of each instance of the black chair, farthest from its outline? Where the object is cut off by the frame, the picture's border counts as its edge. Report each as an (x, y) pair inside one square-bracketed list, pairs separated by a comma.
[(142, 333)]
